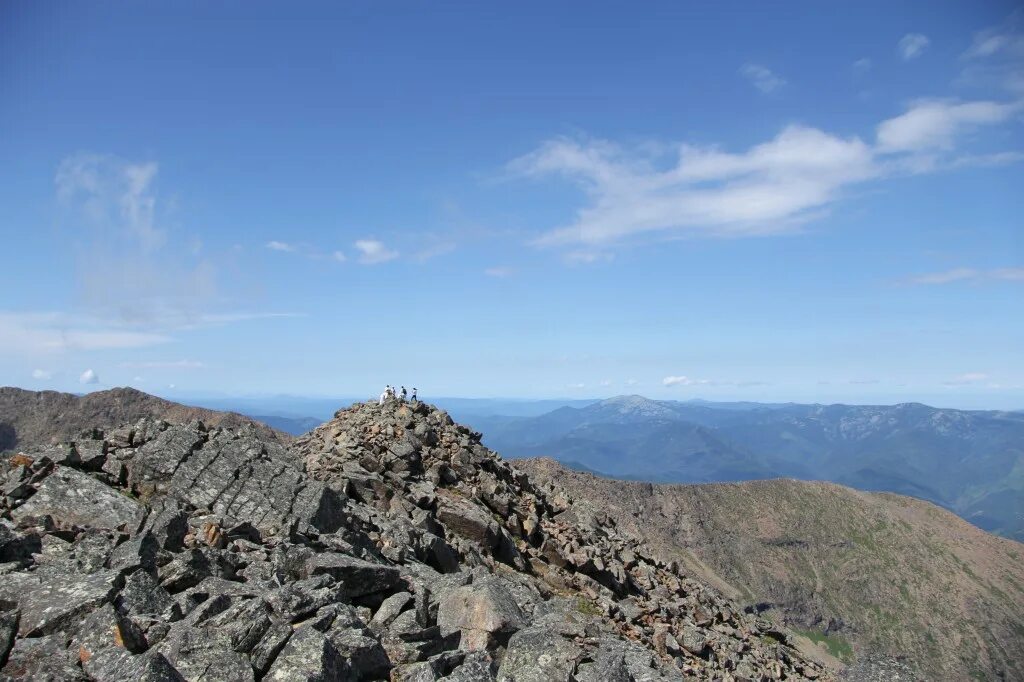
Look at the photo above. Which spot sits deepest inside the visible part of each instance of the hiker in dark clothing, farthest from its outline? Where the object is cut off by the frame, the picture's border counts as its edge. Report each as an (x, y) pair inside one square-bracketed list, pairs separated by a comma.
[(402, 395)]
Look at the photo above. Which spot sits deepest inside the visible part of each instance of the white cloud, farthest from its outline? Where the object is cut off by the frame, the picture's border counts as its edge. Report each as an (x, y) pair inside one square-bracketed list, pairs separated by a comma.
[(770, 188), (913, 45), (606, 382), (963, 274), (688, 381), (372, 252), (41, 374), (762, 78), (339, 256), (280, 246), (766, 189), (499, 271), (683, 381), (934, 124), (89, 377), (862, 65), (632, 382), (967, 378)]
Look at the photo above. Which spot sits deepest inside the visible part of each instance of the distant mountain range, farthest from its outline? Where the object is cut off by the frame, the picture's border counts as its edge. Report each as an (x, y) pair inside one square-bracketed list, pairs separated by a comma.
[(971, 462)]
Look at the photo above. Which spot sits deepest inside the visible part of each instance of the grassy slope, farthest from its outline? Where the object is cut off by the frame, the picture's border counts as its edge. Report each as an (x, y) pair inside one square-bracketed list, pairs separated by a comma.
[(880, 572)]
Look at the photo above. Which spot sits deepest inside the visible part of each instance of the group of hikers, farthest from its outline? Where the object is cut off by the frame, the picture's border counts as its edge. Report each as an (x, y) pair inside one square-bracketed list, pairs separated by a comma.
[(390, 394)]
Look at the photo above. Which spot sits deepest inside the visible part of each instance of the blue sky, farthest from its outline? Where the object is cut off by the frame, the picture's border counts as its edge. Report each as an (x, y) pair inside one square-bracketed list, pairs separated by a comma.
[(717, 200)]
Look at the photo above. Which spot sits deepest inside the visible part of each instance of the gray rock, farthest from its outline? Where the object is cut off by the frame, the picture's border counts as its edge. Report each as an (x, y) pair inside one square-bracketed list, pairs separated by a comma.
[(105, 628), (117, 664), (468, 520), (142, 595), (539, 654), (309, 657), (269, 646), (42, 658), (51, 600), (477, 667), (75, 498), (356, 577), (389, 610), (8, 630), (198, 656), (138, 552), (15, 546), (479, 610), (295, 601)]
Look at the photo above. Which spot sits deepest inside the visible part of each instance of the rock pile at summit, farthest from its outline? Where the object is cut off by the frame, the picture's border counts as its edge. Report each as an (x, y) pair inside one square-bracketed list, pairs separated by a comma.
[(388, 544)]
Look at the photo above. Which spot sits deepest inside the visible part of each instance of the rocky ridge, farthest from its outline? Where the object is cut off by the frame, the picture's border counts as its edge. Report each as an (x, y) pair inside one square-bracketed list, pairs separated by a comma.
[(388, 544)]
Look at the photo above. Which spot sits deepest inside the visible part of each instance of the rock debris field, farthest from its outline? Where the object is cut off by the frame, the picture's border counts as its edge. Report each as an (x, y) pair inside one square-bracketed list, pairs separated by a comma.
[(388, 544)]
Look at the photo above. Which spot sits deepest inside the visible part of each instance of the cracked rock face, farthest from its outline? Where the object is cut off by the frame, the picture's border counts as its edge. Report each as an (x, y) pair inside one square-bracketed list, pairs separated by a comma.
[(388, 544)]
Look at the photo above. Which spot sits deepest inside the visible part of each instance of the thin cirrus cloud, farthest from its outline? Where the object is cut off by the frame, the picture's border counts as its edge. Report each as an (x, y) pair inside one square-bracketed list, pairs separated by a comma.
[(963, 274), (912, 46), (770, 188), (683, 380), (762, 78), (40, 333), (967, 379), (165, 364)]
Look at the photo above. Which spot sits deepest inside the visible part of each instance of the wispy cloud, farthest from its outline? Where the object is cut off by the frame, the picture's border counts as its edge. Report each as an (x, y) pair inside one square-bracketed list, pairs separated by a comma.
[(41, 374), (112, 191), (89, 377), (762, 78), (372, 252), (912, 46), (165, 364), (996, 56), (36, 333), (683, 380), (934, 124), (964, 274), (862, 65), (771, 188), (280, 246), (499, 271), (967, 379)]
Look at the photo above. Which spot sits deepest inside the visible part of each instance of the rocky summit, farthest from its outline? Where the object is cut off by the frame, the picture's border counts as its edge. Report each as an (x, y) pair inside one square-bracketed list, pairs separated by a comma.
[(388, 544)]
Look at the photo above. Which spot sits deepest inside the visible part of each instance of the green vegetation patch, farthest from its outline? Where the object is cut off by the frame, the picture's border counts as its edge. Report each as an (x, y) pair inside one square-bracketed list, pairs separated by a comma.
[(836, 645)]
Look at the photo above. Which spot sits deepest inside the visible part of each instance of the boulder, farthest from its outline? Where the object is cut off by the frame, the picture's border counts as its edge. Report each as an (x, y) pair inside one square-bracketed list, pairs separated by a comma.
[(52, 600), (478, 611), (539, 654), (74, 498), (356, 577), (468, 520), (42, 658), (116, 664), (309, 657)]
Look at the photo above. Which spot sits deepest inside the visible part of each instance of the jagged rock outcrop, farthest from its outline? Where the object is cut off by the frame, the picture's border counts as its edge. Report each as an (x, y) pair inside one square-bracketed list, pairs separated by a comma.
[(388, 544)]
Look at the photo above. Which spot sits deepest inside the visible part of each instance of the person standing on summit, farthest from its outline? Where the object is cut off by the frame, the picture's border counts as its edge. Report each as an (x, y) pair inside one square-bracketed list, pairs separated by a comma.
[(401, 396), (385, 395)]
